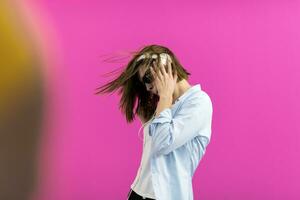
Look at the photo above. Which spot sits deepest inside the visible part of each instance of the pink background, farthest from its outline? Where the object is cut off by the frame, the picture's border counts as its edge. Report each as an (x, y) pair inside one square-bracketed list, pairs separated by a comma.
[(245, 55)]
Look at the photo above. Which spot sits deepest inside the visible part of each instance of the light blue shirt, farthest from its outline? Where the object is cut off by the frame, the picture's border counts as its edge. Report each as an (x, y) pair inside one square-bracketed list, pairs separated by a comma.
[(180, 135)]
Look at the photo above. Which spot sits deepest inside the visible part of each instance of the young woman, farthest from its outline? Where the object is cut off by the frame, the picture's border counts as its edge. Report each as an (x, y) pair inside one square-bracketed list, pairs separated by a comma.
[(176, 117)]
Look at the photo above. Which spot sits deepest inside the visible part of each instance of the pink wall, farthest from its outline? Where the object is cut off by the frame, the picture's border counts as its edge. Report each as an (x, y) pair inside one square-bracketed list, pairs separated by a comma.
[(243, 53)]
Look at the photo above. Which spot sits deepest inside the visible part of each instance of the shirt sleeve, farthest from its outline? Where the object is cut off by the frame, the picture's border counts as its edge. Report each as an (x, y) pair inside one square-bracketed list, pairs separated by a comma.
[(170, 132)]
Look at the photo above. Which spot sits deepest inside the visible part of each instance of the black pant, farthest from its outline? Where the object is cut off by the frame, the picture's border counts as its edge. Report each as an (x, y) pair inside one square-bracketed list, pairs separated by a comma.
[(132, 195)]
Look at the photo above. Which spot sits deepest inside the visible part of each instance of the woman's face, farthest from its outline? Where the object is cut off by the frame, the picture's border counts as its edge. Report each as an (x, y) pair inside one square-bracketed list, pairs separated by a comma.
[(149, 86)]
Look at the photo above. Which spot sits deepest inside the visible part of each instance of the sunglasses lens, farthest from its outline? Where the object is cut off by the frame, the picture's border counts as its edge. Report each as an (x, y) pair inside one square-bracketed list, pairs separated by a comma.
[(148, 78)]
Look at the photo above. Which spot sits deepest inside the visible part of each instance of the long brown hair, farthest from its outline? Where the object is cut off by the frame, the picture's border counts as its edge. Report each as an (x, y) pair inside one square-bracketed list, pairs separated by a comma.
[(133, 90)]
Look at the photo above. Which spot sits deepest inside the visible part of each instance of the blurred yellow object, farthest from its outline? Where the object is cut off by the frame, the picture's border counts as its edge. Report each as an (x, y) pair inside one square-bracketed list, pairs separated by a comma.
[(21, 101), (18, 63)]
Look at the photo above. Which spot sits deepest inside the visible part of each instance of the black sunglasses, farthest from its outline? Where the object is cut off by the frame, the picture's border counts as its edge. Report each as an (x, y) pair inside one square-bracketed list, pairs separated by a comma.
[(147, 78)]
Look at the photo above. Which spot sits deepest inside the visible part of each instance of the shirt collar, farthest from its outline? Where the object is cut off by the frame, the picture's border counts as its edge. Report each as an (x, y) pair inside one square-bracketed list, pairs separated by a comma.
[(190, 91)]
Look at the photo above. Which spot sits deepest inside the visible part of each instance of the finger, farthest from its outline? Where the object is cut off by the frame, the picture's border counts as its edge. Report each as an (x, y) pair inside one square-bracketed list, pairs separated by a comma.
[(160, 75), (154, 64), (175, 76), (154, 74), (154, 68), (160, 63), (163, 70), (170, 67), (152, 71), (157, 71)]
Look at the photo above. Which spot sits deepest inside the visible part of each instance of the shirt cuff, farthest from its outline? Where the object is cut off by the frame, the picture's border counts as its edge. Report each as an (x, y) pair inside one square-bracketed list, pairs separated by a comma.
[(164, 116)]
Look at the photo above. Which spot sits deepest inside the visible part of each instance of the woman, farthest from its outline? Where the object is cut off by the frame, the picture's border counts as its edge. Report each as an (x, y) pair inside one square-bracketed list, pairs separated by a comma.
[(176, 117)]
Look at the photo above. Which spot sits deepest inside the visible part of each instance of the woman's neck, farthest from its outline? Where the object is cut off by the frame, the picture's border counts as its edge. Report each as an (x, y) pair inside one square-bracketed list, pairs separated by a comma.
[(180, 88)]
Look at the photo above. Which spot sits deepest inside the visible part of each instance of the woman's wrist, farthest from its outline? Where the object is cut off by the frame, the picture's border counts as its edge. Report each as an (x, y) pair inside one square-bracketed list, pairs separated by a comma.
[(163, 103)]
